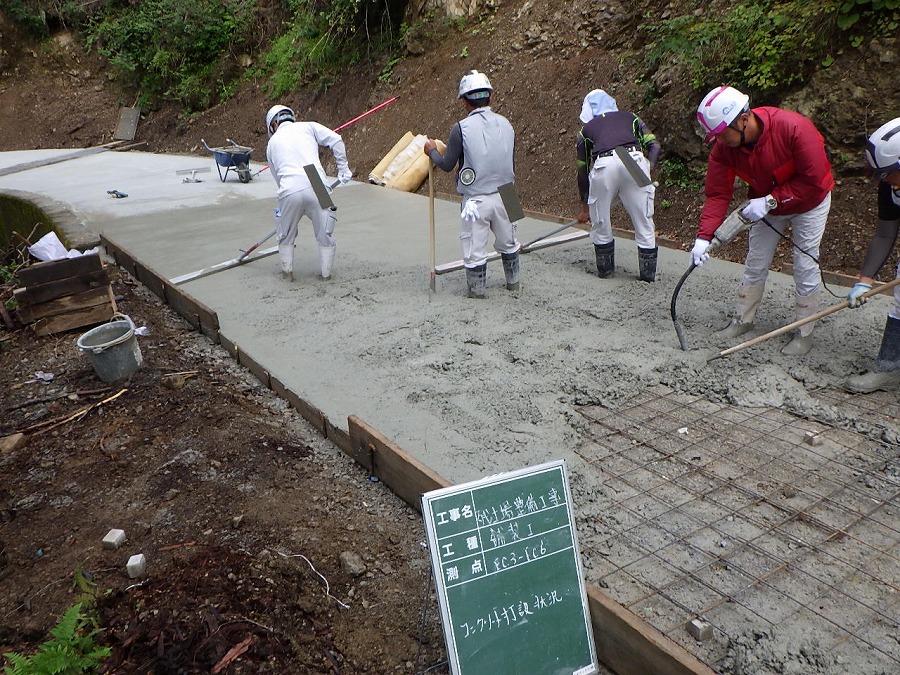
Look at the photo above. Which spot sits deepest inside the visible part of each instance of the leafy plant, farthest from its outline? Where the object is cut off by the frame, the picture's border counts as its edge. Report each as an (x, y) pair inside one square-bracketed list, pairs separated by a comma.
[(72, 650), (758, 44), (171, 48), (678, 173)]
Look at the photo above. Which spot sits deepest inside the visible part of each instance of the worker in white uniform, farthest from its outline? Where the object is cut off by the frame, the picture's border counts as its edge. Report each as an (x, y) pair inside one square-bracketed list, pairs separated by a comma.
[(481, 147), (293, 145)]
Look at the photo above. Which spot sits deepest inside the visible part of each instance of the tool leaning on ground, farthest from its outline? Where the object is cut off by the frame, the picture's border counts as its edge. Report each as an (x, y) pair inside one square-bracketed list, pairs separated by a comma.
[(796, 324), (730, 228)]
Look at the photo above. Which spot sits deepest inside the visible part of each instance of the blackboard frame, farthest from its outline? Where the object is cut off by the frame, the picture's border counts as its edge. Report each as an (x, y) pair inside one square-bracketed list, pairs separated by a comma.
[(508, 574)]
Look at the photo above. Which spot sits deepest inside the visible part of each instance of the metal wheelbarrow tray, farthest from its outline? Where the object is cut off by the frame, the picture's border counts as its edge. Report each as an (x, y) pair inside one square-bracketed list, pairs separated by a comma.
[(232, 157)]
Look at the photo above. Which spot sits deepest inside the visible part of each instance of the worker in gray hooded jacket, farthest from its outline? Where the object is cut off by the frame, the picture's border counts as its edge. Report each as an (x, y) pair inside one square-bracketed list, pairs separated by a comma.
[(481, 148)]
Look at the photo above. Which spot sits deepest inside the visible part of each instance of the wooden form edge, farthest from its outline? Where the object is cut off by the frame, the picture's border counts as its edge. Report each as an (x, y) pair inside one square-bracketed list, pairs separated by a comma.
[(624, 641)]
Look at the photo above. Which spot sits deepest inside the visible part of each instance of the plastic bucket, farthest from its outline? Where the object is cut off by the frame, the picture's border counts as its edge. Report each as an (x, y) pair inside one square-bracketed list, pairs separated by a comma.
[(112, 348)]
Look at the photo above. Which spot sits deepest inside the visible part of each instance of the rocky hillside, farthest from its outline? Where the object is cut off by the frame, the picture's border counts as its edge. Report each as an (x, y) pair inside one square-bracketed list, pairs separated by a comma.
[(542, 58)]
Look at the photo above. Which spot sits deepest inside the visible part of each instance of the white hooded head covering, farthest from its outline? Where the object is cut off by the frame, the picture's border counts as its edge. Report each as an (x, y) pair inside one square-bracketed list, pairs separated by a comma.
[(598, 102)]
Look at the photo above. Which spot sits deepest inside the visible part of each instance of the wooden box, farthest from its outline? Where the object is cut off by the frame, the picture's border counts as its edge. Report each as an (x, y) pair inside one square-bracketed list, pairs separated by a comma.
[(60, 295)]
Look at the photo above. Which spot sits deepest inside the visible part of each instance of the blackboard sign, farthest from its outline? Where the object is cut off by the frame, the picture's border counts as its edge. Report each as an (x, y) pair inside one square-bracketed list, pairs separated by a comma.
[(508, 574)]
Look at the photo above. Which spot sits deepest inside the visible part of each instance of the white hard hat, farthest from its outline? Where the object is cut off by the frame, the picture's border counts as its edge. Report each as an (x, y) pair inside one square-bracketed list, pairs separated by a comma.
[(278, 113), (883, 149), (721, 107), (475, 84)]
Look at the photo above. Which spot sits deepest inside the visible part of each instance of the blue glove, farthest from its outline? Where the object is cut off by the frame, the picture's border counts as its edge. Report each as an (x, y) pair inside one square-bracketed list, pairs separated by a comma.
[(756, 209), (855, 296)]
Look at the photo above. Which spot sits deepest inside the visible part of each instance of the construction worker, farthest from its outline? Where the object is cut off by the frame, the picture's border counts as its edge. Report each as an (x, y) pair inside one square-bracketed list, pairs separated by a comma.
[(293, 145), (481, 148), (602, 177), (781, 156), (883, 155)]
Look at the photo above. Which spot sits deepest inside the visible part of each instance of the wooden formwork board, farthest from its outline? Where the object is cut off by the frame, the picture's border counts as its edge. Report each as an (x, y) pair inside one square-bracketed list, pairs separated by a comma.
[(307, 411), (406, 476)]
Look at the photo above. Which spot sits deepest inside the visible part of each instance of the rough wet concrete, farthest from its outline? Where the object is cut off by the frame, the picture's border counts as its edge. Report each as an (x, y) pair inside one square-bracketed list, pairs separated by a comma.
[(469, 387)]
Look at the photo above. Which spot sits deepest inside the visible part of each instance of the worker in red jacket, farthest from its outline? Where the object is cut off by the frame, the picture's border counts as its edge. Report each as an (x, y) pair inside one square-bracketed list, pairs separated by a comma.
[(781, 156)]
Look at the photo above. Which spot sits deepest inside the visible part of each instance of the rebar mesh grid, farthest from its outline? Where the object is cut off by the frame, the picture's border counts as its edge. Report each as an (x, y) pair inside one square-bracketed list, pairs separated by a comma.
[(750, 519)]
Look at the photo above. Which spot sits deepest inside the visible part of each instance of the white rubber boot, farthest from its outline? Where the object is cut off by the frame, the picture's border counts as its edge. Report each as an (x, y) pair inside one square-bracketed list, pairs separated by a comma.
[(286, 258), (802, 341), (748, 301), (326, 260)]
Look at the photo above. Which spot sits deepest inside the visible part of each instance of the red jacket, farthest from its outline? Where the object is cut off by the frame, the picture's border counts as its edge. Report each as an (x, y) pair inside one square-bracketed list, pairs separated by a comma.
[(788, 162)]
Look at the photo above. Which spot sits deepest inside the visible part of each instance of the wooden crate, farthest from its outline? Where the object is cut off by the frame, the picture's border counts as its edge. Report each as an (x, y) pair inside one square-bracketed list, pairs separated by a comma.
[(60, 295)]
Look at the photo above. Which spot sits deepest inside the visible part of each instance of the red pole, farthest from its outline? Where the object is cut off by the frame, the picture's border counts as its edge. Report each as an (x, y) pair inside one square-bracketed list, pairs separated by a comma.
[(368, 112)]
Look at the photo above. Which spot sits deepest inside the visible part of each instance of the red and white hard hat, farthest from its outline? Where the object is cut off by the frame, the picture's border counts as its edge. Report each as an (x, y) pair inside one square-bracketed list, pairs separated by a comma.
[(475, 84), (278, 113), (719, 108), (883, 149)]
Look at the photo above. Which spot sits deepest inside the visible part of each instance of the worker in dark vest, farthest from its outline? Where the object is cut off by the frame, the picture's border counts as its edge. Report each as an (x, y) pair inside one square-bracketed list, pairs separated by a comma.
[(481, 148), (602, 177), (883, 155)]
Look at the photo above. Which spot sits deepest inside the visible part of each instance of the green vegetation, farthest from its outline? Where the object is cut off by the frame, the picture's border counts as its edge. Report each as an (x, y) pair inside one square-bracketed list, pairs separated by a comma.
[(676, 172), (73, 648), (173, 49), (762, 45)]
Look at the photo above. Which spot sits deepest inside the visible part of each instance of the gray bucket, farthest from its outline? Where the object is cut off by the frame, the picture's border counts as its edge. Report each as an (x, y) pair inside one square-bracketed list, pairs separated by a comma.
[(113, 348)]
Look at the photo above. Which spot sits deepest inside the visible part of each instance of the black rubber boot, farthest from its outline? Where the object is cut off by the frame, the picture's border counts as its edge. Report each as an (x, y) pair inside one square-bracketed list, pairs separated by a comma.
[(476, 278), (886, 373), (511, 270), (606, 259), (647, 263)]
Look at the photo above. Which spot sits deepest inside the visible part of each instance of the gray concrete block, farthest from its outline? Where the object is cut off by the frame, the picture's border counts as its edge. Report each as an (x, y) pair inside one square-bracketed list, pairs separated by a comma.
[(700, 630), (137, 565), (114, 540)]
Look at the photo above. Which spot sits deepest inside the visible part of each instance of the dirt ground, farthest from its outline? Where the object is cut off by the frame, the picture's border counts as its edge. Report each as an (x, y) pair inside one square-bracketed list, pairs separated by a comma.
[(242, 510)]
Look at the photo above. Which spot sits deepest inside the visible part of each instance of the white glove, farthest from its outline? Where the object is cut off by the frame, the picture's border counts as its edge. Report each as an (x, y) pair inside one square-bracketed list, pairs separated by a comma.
[(470, 211), (756, 209), (344, 175), (698, 253), (854, 297)]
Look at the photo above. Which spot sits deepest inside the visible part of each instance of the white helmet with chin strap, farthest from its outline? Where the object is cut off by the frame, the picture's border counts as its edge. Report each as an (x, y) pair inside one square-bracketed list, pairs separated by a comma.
[(279, 114), (721, 107), (883, 149), (475, 85)]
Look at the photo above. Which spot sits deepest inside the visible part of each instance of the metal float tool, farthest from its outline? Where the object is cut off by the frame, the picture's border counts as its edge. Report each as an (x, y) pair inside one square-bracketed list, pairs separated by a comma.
[(191, 174), (730, 228), (796, 324)]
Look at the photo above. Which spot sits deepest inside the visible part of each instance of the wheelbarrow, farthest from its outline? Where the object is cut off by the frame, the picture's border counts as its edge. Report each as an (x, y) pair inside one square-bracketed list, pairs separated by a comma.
[(232, 157)]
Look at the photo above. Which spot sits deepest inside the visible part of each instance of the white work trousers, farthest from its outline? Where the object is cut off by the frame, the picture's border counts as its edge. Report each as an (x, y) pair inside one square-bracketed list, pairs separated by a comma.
[(610, 179), (293, 207), (492, 217), (894, 312), (806, 232)]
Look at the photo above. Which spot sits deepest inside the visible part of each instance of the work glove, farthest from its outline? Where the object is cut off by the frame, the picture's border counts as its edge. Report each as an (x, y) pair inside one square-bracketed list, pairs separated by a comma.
[(756, 209), (344, 176), (698, 253), (855, 296)]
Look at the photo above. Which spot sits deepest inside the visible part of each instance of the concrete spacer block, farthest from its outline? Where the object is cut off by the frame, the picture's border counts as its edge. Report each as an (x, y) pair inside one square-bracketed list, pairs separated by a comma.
[(700, 630), (813, 439), (137, 565), (113, 539)]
